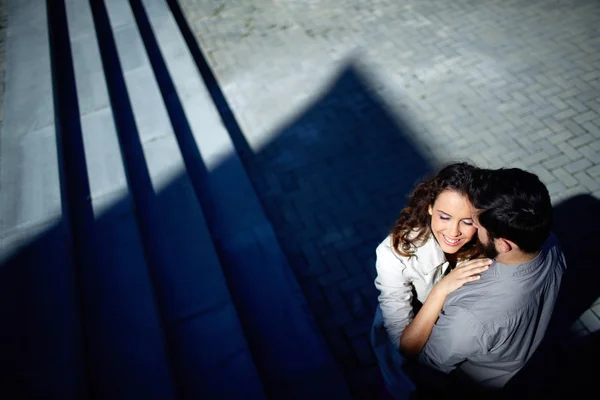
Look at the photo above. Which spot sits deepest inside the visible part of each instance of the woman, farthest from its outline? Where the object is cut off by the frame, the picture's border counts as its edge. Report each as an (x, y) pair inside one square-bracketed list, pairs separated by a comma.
[(418, 265)]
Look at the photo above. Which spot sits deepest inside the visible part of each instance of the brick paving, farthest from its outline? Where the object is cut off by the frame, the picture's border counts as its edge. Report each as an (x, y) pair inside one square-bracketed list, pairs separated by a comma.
[(345, 104)]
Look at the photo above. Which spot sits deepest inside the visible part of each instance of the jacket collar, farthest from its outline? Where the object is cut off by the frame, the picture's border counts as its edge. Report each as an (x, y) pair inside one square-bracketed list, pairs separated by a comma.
[(430, 256)]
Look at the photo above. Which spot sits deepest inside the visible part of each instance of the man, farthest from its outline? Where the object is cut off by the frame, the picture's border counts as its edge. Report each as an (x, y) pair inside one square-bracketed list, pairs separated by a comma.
[(489, 328)]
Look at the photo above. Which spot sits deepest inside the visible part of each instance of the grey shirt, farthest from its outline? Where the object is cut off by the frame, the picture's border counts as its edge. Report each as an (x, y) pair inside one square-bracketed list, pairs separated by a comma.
[(489, 328)]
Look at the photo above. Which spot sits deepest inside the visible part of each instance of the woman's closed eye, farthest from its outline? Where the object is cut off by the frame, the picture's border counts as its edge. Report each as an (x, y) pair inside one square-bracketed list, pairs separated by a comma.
[(468, 222)]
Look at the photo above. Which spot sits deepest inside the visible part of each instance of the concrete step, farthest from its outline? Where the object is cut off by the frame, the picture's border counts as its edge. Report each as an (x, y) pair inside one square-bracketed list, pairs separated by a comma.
[(40, 339), (288, 349), (199, 322), (122, 320)]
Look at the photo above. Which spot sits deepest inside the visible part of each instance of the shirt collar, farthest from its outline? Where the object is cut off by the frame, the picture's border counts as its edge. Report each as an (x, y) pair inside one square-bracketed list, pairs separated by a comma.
[(430, 256), (499, 269)]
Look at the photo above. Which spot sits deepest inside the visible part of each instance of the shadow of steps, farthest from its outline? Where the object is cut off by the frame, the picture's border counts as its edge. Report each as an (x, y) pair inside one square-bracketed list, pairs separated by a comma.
[(40, 336), (136, 258), (288, 350), (185, 273)]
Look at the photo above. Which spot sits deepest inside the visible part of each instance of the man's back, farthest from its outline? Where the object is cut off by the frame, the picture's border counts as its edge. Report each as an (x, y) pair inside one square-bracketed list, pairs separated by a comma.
[(491, 327)]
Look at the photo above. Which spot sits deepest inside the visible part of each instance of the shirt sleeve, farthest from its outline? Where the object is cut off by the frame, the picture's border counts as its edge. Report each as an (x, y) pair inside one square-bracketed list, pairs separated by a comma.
[(456, 336), (395, 298)]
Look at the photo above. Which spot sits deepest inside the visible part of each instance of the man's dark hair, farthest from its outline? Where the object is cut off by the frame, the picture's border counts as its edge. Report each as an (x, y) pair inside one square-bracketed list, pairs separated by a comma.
[(512, 204)]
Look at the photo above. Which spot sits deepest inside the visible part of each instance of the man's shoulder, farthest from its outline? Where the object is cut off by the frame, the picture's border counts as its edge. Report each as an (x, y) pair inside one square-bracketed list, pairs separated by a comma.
[(484, 300), (472, 293), (554, 250)]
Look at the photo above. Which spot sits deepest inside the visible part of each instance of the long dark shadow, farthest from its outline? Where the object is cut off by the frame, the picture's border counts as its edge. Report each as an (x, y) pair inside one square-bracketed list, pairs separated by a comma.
[(75, 190), (136, 169), (186, 274), (563, 364), (229, 120), (187, 144), (331, 183)]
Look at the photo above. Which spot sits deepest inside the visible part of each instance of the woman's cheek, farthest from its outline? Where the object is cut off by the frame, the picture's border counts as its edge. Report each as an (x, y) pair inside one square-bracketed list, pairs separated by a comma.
[(472, 231)]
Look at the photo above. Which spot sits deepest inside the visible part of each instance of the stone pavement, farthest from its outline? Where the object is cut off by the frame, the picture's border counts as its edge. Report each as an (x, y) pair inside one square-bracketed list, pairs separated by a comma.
[(345, 104)]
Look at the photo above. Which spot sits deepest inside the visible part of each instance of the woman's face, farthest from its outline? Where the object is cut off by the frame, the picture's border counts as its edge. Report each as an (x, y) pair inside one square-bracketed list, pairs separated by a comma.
[(451, 221)]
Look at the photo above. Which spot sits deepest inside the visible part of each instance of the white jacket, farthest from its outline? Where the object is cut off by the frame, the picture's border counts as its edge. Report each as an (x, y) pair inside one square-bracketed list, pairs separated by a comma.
[(397, 275)]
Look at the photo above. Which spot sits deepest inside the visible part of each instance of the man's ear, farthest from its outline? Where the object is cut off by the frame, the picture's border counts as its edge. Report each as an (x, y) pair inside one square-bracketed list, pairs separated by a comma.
[(505, 245)]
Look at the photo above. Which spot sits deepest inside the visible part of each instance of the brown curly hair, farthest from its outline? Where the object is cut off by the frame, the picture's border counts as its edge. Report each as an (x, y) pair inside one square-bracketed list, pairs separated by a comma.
[(412, 229)]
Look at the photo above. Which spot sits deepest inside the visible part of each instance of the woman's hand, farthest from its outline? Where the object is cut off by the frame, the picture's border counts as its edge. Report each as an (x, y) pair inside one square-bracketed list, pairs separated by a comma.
[(466, 272), (415, 335)]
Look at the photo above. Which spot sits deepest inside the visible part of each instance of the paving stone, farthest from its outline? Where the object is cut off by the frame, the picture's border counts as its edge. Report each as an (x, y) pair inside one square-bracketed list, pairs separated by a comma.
[(577, 166), (334, 298), (358, 327), (569, 151), (593, 127), (556, 162), (535, 158), (555, 187), (588, 182), (577, 327), (565, 177), (590, 115), (568, 113), (560, 137), (574, 340), (594, 172), (355, 282), (339, 344), (590, 320), (581, 140), (363, 350), (596, 309), (515, 154), (573, 127), (357, 305), (544, 175), (577, 105), (337, 319)]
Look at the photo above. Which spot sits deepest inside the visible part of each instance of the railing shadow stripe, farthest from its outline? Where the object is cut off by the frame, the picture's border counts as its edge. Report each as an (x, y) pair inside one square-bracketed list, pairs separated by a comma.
[(136, 169), (74, 182)]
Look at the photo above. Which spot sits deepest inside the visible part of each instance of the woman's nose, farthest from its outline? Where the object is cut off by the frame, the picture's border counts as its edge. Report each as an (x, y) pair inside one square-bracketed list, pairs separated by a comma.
[(455, 230)]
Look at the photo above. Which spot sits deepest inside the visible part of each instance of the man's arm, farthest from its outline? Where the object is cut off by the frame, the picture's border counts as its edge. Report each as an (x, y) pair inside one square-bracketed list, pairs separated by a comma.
[(456, 336)]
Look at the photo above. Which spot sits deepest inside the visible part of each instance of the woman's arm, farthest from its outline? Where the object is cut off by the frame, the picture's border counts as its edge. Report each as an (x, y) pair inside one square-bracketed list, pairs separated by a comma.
[(416, 334), (395, 298)]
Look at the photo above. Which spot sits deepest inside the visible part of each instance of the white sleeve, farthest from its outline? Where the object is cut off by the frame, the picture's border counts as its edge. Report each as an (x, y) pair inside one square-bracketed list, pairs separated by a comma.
[(395, 298)]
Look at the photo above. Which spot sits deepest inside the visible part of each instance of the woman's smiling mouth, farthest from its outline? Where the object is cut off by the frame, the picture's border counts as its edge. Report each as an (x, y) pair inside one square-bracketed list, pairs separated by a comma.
[(451, 242)]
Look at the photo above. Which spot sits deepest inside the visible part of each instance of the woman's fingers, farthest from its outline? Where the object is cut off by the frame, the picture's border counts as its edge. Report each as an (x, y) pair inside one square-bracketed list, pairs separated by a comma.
[(474, 264), (470, 270), (467, 272)]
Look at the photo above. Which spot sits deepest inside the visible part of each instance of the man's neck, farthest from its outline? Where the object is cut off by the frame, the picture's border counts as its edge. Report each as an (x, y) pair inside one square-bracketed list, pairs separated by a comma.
[(516, 257)]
